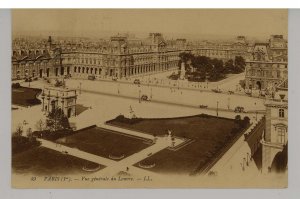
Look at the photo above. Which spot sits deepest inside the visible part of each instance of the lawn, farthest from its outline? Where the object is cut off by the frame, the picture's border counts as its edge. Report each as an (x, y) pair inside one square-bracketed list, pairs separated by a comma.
[(24, 96), (43, 161), (105, 143), (209, 133)]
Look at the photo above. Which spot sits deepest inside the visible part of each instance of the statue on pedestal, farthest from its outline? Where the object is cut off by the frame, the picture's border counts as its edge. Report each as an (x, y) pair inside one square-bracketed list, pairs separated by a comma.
[(182, 71)]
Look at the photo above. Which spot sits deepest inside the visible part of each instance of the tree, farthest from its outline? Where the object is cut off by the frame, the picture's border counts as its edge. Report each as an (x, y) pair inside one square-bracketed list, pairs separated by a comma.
[(184, 56), (19, 131), (247, 120), (240, 62), (229, 66), (238, 117), (57, 120), (29, 133)]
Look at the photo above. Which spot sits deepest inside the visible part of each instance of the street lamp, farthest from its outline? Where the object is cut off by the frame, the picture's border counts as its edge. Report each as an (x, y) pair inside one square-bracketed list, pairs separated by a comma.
[(228, 103), (79, 87), (255, 111), (139, 96), (247, 162), (217, 108)]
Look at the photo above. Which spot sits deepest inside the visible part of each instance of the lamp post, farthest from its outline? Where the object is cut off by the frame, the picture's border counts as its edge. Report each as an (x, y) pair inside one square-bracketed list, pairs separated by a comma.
[(255, 111), (228, 105), (79, 87), (139, 96), (217, 108), (247, 162)]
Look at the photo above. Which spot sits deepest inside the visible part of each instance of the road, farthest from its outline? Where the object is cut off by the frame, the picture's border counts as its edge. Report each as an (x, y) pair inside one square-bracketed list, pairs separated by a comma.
[(174, 95)]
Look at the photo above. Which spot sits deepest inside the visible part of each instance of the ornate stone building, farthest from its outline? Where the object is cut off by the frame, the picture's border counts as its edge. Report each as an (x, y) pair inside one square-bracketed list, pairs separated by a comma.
[(119, 57), (223, 50), (63, 98), (30, 59), (267, 66), (274, 142)]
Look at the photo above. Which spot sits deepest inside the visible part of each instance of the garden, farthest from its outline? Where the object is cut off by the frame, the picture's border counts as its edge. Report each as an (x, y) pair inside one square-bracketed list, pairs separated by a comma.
[(24, 96), (210, 137), (105, 143)]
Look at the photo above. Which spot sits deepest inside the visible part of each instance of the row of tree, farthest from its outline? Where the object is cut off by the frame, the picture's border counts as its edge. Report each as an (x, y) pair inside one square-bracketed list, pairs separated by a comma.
[(202, 67)]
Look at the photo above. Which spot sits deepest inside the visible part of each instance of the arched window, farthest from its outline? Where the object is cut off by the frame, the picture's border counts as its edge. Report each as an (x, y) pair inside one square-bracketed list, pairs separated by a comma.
[(75, 68), (82, 69), (87, 70), (281, 113)]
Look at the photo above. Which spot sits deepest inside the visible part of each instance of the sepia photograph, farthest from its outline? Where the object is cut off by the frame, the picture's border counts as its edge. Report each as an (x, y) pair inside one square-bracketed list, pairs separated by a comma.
[(149, 98)]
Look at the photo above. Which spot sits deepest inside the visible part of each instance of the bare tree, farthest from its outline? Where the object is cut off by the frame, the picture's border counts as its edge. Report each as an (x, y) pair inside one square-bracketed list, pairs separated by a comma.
[(19, 130)]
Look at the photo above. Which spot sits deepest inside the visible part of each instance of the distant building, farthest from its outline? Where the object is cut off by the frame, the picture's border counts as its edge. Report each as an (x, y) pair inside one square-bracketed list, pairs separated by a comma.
[(222, 50), (267, 65), (275, 139), (63, 98)]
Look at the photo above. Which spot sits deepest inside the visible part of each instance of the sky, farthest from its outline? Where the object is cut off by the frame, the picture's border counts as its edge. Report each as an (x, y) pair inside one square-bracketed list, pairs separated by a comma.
[(171, 22)]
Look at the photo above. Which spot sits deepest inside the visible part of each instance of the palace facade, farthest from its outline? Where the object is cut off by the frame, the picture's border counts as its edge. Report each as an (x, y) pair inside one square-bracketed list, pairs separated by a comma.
[(267, 66), (120, 57), (275, 139), (29, 59), (223, 50)]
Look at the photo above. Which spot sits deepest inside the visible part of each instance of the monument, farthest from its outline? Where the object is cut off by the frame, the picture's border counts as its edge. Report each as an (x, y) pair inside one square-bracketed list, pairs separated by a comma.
[(64, 98), (182, 71)]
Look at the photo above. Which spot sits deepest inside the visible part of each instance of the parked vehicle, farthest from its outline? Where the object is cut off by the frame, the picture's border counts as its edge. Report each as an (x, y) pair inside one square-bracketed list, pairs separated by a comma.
[(216, 90), (28, 79), (144, 98), (136, 81), (203, 106), (239, 109), (91, 77), (68, 76)]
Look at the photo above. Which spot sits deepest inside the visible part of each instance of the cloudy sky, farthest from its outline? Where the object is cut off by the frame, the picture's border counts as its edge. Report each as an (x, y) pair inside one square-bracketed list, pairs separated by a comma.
[(193, 22)]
